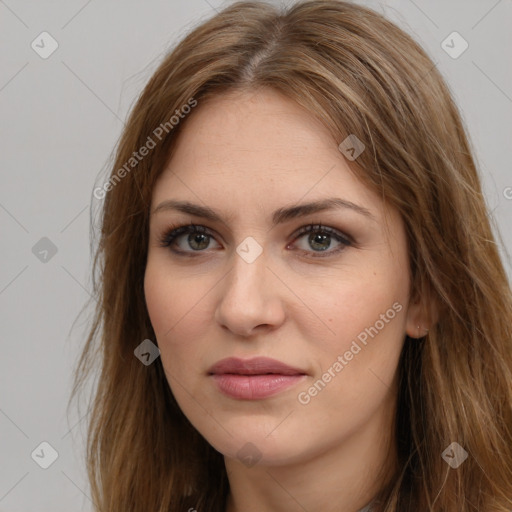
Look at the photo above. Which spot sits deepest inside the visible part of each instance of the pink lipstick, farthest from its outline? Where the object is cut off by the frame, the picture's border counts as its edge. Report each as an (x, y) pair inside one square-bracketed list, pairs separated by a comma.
[(254, 379)]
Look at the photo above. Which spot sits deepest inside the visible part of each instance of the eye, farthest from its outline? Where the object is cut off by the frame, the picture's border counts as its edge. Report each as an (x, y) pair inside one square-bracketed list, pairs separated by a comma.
[(198, 239), (320, 239)]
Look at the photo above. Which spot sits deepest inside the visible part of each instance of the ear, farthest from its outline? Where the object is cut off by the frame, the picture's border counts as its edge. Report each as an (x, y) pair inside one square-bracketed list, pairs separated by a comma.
[(422, 315)]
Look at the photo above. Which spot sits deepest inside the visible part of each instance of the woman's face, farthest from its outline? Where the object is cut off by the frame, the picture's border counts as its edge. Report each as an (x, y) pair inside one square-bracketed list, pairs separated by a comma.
[(332, 304)]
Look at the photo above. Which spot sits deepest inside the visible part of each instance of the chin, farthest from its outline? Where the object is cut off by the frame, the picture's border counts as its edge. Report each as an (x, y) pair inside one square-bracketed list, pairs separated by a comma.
[(252, 445)]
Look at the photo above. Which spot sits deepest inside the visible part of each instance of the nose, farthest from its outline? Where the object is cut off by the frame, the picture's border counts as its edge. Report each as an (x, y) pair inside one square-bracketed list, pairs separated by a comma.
[(250, 298)]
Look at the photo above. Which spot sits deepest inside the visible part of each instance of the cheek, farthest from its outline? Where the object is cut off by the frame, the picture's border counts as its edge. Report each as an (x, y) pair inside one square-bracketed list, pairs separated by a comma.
[(360, 301), (367, 316), (177, 313), (170, 298), (356, 367)]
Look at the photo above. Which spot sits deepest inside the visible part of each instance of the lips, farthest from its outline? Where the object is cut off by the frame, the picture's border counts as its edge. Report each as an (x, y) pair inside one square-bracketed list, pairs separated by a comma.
[(255, 366), (253, 379)]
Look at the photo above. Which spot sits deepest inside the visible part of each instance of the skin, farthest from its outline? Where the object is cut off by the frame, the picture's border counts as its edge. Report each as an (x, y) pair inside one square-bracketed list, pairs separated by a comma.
[(245, 155)]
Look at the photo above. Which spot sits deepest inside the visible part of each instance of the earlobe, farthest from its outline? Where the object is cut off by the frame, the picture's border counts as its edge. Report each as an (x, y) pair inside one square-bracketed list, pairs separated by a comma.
[(421, 330), (422, 314), (416, 326)]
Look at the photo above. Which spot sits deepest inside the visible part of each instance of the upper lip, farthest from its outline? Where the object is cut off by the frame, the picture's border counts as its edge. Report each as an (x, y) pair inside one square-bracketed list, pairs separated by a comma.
[(254, 366)]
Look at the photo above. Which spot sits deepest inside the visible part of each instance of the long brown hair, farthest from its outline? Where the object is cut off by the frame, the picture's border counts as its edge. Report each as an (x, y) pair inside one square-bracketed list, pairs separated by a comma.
[(358, 74)]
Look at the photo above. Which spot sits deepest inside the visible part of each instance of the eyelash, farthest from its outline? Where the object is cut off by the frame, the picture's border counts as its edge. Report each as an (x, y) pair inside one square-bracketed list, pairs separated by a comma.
[(173, 232)]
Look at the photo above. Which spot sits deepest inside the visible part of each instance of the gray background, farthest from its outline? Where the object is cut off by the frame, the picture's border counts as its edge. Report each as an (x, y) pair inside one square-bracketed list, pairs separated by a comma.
[(60, 120)]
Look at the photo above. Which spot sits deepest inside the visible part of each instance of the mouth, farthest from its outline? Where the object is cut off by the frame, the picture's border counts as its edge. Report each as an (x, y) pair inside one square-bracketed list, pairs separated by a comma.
[(254, 379)]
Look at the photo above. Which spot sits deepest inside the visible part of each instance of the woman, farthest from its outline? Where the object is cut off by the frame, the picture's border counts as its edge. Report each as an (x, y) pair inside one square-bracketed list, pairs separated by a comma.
[(294, 218)]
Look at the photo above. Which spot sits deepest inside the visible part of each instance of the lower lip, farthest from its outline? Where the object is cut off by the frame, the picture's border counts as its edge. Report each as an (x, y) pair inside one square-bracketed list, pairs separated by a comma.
[(254, 387)]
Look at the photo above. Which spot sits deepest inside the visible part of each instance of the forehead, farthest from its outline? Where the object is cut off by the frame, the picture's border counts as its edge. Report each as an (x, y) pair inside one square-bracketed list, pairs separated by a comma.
[(264, 123), (259, 143)]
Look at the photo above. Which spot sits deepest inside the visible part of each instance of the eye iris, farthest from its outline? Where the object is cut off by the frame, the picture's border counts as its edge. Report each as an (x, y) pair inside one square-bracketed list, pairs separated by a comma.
[(316, 239), (201, 239)]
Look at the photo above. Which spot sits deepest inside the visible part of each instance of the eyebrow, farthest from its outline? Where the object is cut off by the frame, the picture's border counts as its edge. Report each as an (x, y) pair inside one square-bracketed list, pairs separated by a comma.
[(279, 216)]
